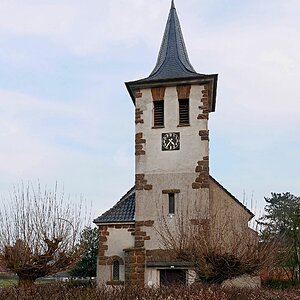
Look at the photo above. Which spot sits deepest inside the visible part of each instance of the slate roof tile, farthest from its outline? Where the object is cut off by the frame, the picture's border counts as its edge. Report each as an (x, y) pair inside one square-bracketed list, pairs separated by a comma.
[(173, 60), (122, 211), (173, 63)]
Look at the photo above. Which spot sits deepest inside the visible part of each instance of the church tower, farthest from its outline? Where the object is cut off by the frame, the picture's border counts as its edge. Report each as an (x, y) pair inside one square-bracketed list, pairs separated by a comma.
[(172, 181), (172, 109)]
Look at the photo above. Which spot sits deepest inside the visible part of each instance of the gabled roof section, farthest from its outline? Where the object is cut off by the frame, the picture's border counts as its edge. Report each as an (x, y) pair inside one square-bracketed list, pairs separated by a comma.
[(122, 212), (233, 197)]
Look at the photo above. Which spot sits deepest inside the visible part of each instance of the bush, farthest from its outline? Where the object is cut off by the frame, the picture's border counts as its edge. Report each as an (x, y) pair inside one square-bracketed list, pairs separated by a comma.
[(194, 292), (282, 284)]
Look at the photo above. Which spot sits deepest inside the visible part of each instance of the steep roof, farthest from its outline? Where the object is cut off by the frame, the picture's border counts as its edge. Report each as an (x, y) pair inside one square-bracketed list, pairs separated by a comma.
[(122, 211), (173, 63), (173, 60)]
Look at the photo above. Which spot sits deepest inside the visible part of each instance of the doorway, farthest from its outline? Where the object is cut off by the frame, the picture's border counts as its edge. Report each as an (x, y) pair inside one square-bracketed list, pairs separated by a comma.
[(172, 276)]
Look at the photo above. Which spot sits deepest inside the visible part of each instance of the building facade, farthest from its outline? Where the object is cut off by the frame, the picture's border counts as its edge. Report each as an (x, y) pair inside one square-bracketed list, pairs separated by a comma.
[(172, 181)]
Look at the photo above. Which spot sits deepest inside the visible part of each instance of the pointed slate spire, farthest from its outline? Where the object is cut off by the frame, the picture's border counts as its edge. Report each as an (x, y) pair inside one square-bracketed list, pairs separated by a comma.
[(173, 64), (172, 61)]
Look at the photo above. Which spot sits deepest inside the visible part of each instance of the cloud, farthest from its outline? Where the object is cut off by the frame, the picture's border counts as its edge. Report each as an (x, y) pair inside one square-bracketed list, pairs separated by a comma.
[(258, 63), (53, 140), (83, 27), (65, 114), (36, 17), (22, 151)]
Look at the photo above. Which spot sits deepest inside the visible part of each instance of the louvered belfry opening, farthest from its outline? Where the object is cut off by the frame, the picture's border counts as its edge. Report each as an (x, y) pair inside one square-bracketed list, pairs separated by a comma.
[(158, 113), (184, 112)]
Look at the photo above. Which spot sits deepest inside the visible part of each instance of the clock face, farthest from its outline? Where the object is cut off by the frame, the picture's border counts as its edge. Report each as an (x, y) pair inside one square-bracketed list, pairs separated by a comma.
[(170, 141)]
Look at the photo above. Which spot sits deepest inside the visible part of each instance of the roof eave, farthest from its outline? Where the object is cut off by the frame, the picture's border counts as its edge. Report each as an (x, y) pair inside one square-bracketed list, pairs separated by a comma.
[(132, 86), (170, 264), (113, 222)]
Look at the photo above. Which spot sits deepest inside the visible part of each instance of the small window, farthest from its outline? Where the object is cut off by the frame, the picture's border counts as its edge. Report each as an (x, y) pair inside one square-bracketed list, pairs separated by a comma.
[(158, 113), (171, 203), (184, 112), (116, 270)]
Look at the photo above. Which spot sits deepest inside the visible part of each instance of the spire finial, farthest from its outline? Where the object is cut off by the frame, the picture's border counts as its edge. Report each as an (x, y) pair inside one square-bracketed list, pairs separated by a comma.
[(172, 59), (172, 4)]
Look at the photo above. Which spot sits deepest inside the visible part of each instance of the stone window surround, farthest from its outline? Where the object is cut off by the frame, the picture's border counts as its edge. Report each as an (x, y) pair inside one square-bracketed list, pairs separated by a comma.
[(111, 261), (115, 270)]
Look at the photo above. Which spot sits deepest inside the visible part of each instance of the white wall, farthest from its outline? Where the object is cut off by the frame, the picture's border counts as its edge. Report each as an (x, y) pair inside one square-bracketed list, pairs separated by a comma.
[(170, 169), (192, 149), (117, 241)]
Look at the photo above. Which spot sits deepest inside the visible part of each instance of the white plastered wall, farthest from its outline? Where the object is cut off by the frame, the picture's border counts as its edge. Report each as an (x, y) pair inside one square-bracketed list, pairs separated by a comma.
[(192, 148), (167, 170), (117, 241)]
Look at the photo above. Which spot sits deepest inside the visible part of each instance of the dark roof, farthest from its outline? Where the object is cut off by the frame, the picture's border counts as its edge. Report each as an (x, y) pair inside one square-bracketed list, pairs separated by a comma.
[(121, 212), (173, 63), (233, 197)]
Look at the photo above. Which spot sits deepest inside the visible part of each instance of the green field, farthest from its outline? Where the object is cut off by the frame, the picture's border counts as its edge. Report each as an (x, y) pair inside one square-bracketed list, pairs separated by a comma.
[(4, 282), (9, 281)]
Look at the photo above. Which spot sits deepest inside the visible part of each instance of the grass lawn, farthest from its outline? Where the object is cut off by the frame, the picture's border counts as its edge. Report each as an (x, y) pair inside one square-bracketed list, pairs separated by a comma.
[(4, 282)]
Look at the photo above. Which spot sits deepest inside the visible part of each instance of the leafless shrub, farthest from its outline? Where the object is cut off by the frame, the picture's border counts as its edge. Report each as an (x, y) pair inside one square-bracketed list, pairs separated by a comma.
[(40, 232), (194, 292), (219, 247)]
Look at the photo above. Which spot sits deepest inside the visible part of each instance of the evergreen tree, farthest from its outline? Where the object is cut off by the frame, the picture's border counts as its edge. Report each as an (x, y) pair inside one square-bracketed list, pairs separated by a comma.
[(87, 266), (282, 219)]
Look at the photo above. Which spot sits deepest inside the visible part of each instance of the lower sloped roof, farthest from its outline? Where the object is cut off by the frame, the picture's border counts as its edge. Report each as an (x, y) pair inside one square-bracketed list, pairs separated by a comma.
[(122, 211)]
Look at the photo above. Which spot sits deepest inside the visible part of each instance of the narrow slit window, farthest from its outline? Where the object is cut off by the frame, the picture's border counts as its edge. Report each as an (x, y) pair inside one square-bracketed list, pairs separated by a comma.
[(116, 270), (184, 112), (171, 203), (158, 113)]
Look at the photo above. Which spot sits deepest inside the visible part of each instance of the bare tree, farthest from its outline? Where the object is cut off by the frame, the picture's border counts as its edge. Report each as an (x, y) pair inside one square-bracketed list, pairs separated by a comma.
[(40, 232), (218, 248)]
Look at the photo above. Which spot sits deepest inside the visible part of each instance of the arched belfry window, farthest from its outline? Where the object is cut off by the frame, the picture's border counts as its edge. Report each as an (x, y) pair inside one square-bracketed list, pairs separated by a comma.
[(116, 270)]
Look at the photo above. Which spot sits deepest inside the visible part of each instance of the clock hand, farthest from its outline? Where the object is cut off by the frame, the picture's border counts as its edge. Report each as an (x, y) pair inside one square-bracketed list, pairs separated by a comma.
[(171, 141), (168, 144)]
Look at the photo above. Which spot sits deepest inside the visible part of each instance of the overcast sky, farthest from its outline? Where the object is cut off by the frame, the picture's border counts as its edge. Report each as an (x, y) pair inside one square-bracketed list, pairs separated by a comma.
[(65, 114)]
